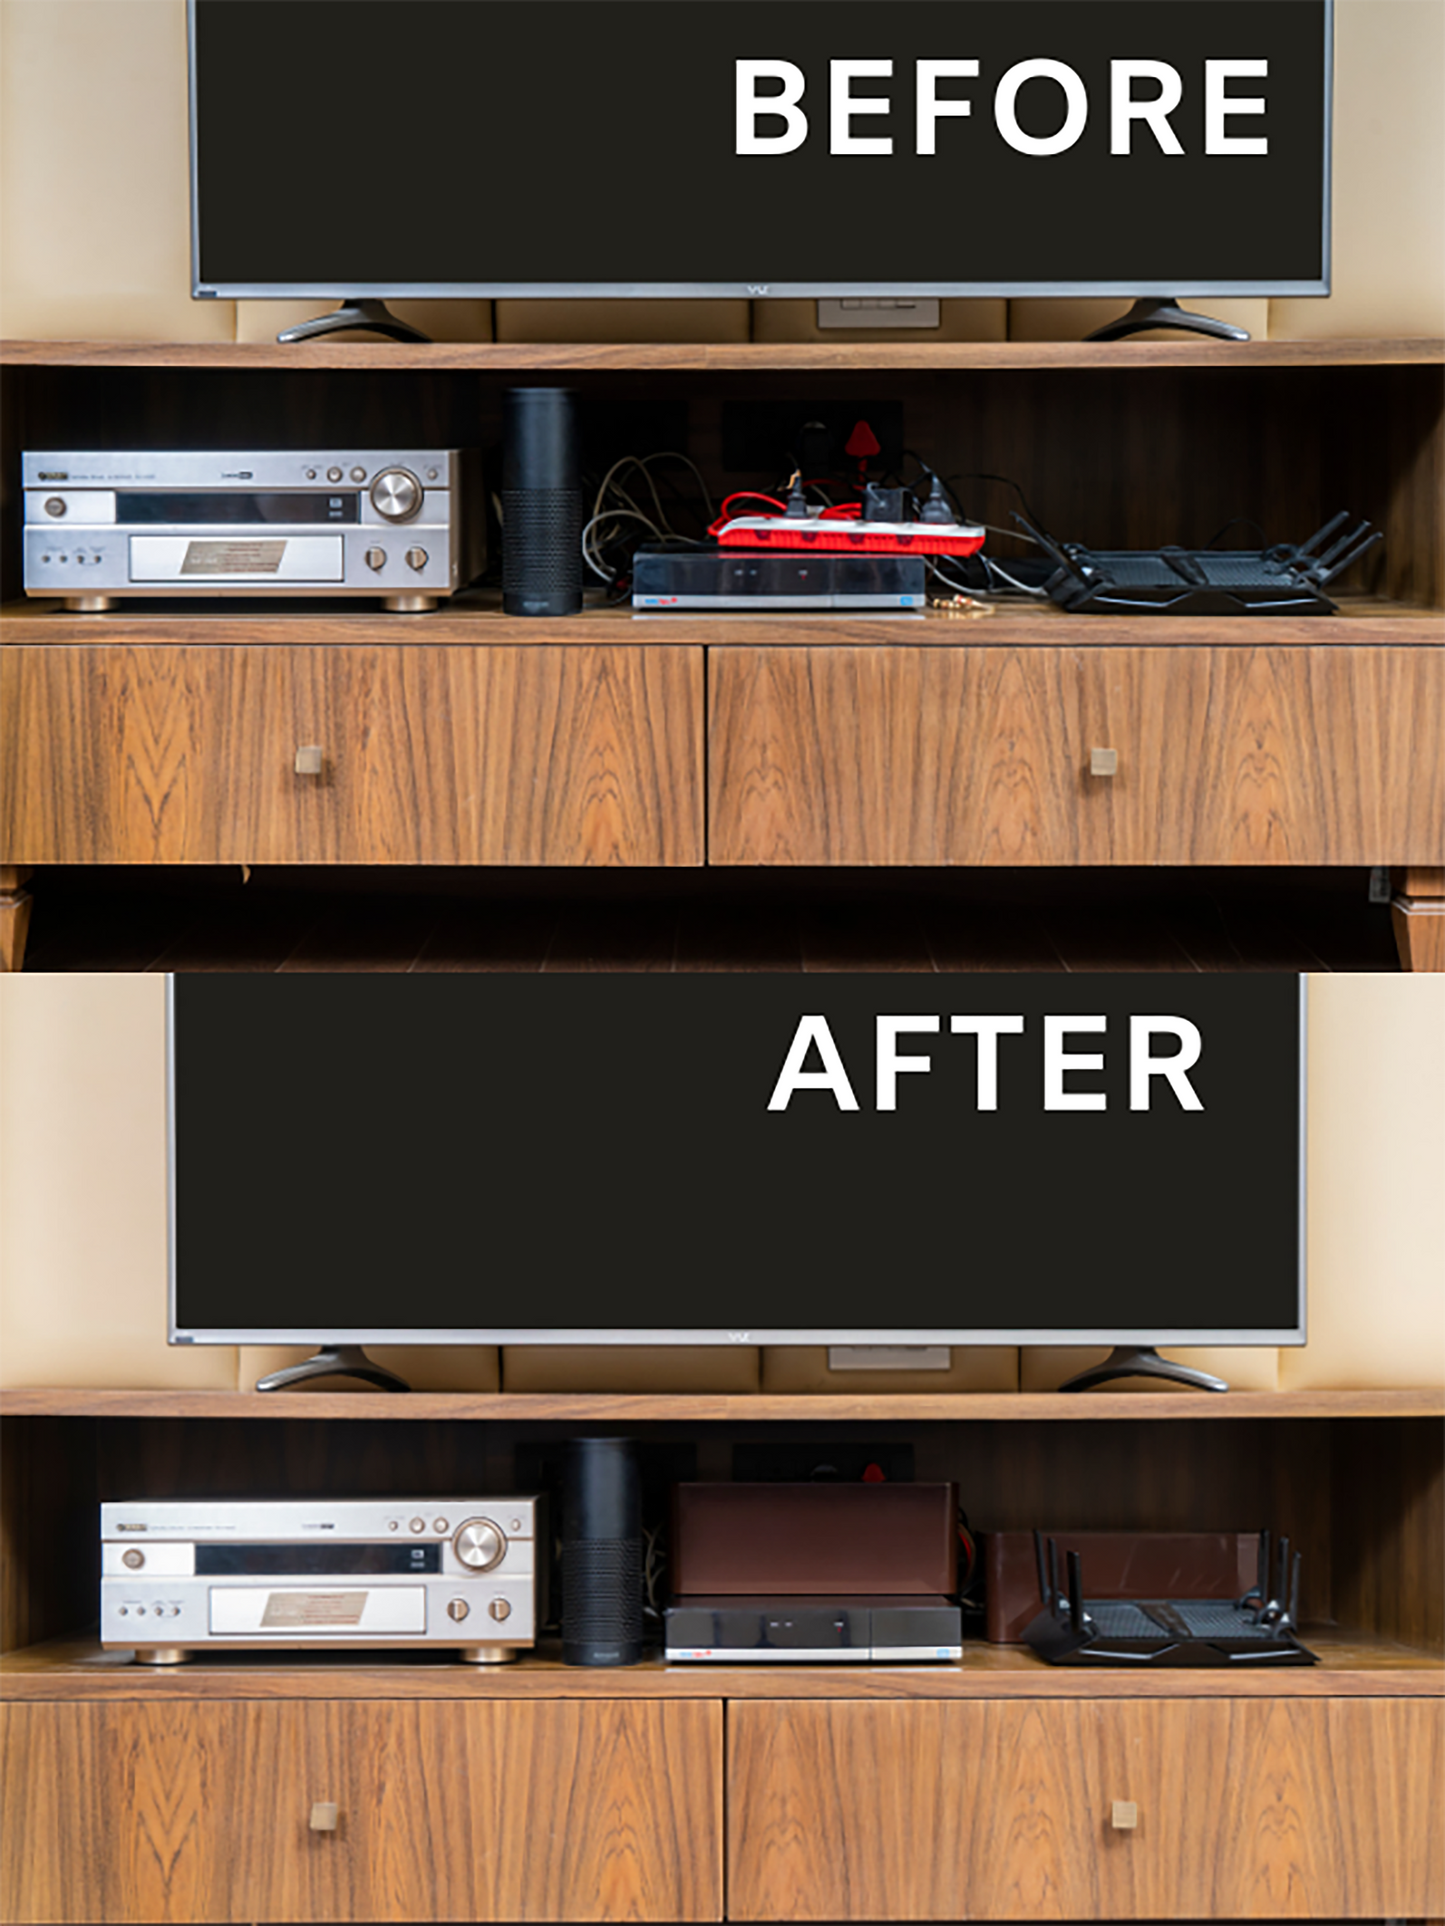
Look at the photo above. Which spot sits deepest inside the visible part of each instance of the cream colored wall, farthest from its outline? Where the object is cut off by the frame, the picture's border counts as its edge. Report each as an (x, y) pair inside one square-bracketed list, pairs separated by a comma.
[(95, 174), (1376, 1184), (1389, 181), (94, 209), (82, 1213), (83, 1187)]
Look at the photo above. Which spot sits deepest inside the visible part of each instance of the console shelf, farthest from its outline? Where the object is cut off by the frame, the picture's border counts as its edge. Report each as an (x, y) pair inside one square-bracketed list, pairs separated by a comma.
[(747, 357), (685, 1408), (478, 619), (168, 737), (1351, 1665), (748, 1793)]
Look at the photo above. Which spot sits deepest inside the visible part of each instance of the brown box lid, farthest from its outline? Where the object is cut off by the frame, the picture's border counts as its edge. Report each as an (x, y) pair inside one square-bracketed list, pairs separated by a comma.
[(1116, 1564), (814, 1540)]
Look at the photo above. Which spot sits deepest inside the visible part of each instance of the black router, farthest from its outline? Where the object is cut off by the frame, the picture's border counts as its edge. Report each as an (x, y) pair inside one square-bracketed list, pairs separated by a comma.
[(1257, 1629), (1287, 579)]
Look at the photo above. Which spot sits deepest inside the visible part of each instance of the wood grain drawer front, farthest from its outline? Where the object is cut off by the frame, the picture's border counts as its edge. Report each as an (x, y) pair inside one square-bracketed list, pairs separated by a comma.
[(1246, 1808), (497, 1810), (983, 755), (546, 755)]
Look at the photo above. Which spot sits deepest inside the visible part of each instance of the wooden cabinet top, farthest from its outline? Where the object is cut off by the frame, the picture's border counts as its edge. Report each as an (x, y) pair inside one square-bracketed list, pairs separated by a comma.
[(477, 618), (519, 1407), (1351, 1666), (748, 357)]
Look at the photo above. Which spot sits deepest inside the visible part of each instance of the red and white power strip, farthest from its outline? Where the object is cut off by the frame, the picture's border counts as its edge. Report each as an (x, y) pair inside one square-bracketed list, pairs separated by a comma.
[(838, 535)]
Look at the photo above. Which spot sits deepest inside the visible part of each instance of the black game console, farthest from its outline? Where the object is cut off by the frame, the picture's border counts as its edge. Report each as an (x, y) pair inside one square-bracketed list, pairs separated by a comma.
[(704, 576)]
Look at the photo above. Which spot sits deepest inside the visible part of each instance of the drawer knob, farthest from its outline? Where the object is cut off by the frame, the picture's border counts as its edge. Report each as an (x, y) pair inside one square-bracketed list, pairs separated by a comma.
[(1103, 762), (309, 760), (1124, 1815), (324, 1816)]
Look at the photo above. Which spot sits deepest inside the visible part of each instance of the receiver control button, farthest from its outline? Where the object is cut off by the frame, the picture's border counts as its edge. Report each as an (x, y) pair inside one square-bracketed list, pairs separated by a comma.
[(418, 1524), (458, 1609), (396, 494), (479, 1544), (55, 505), (500, 1609), (441, 1525), (333, 474), (416, 558), (135, 1559), (376, 558), (310, 474), (358, 474)]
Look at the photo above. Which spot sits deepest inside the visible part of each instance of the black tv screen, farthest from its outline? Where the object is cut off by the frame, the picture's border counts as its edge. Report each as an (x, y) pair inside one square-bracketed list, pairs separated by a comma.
[(736, 1159), (760, 148)]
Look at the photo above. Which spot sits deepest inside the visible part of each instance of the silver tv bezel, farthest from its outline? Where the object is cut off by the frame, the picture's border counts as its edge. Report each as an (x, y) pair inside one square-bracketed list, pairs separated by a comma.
[(722, 1337), (766, 291)]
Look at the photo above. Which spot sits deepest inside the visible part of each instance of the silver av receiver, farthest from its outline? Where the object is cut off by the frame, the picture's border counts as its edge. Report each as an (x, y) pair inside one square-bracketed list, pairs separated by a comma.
[(414, 1574), (404, 525)]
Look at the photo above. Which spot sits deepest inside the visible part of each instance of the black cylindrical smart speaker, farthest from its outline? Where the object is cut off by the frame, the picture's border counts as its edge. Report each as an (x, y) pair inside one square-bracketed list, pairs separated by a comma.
[(601, 1553), (541, 503)]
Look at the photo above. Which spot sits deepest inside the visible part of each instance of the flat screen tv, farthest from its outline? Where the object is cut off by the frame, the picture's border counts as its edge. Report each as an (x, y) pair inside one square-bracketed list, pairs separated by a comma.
[(728, 1159), (760, 148)]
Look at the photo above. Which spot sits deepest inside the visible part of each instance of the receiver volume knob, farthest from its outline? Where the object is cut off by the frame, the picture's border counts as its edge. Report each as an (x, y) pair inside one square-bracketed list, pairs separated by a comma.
[(479, 1544), (396, 494)]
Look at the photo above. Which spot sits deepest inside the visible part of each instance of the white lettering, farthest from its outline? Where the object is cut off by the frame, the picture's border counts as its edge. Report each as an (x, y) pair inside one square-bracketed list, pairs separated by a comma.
[(988, 1030), (1058, 1063), (930, 109), (842, 139), (751, 105), (1219, 106), (813, 1032), (1076, 107), (1143, 1064), (889, 1063), (1124, 110)]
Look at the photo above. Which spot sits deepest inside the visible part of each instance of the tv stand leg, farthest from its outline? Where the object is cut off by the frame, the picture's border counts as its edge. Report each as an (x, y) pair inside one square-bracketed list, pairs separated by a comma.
[(1142, 1361), (335, 1361), (14, 915), (1155, 313), (1417, 910), (373, 315)]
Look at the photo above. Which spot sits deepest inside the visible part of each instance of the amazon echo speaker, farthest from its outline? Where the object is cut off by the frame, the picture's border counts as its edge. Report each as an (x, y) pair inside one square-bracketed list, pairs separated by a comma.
[(541, 503), (601, 1553)]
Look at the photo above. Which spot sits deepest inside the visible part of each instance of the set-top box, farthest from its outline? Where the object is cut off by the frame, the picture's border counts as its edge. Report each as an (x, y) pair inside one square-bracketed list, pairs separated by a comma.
[(402, 524), (187, 1575)]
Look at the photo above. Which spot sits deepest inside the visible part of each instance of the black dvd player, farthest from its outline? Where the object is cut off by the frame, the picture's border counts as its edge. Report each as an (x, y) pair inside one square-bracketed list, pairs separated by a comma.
[(727, 1629), (708, 577)]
